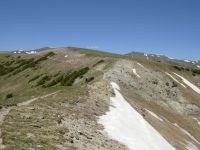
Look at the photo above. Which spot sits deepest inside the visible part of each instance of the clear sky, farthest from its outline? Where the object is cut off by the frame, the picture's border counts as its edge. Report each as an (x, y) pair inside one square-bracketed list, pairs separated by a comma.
[(170, 27)]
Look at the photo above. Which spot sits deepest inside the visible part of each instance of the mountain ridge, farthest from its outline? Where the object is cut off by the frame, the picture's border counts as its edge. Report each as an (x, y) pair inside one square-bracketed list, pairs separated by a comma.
[(162, 94)]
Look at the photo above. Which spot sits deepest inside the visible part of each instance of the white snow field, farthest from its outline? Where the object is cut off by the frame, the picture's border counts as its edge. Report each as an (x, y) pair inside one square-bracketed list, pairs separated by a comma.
[(135, 73), (194, 87), (124, 124), (154, 115), (175, 79)]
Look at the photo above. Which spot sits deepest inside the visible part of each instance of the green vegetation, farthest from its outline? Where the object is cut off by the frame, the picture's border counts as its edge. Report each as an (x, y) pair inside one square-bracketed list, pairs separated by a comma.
[(56, 81), (99, 62), (45, 57), (196, 71), (34, 78), (178, 68), (22, 64), (8, 63), (69, 79), (43, 80), (55, 75), (5, 70), (10, 95), (64, 80)]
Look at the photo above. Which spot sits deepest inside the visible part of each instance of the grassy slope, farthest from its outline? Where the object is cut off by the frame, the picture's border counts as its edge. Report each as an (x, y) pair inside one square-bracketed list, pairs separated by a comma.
[(19, 84), (41, 117)]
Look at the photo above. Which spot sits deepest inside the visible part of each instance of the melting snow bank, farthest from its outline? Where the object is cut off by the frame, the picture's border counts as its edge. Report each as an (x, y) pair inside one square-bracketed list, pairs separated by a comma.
[(175, 79), (153, 114), (135, 73), (124, 124), (194, 87)]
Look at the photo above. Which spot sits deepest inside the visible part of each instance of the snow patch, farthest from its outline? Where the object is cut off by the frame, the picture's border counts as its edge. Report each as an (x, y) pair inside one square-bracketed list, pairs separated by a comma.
[(30, 52), (187, 133), (153, 114), (135, 73), (157, 55), (194, 87), (198, 66), (146, 56), (175, 79), (140, 65), (191, 146), (66, 56), (115, 85), (187, 61), (124, 124)]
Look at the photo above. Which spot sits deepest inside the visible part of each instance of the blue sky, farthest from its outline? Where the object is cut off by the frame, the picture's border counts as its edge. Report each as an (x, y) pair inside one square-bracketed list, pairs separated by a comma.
[(170, 27)]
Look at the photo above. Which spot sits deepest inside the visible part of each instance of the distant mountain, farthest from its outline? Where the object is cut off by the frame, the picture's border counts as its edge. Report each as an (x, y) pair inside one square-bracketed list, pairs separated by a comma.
[(165, 59)]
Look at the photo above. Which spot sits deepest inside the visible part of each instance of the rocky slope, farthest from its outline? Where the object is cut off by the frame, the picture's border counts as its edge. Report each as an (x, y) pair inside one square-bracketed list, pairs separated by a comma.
[(60, 98)]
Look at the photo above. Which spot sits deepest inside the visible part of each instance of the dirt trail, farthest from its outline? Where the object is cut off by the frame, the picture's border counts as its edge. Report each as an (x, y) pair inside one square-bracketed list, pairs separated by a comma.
[(5, 111), (34, 99)]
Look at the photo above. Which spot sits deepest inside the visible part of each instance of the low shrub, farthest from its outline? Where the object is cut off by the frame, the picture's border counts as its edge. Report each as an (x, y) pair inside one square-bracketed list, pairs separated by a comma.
[(196, 71), (55, 75), (178, 68), (89, 79), (10, 95), (56, 81), (69, 79), (23, 64), (6, 70), (8, 63), (99, 62), (34, 78), (187, 69), (43, 80)]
